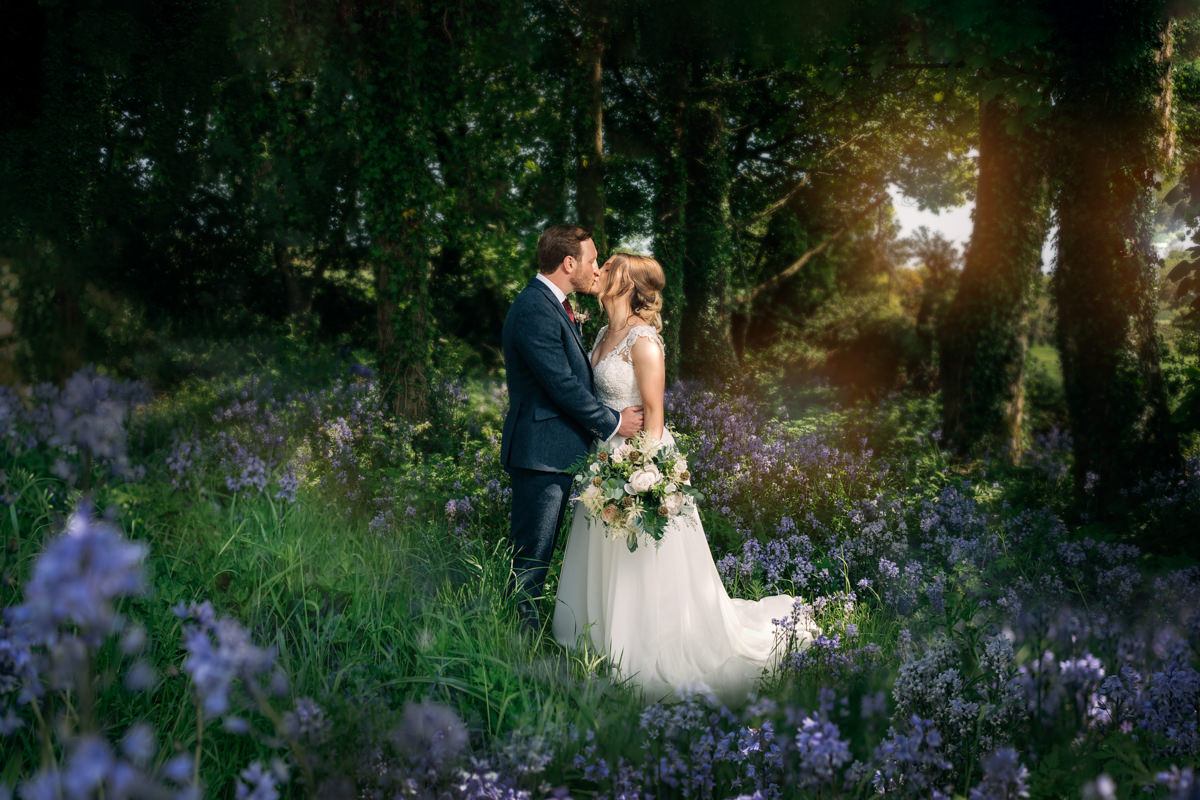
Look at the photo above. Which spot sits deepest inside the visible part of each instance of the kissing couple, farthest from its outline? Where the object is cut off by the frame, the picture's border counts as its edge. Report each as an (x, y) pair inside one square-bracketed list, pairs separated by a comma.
[(660, 612)]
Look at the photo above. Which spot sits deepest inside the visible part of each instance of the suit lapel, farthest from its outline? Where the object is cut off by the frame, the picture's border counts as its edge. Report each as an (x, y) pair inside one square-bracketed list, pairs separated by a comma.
[(563, 312)]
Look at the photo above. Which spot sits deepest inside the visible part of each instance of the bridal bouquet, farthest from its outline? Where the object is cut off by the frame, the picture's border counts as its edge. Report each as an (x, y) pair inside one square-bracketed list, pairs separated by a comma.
[(635, 487)]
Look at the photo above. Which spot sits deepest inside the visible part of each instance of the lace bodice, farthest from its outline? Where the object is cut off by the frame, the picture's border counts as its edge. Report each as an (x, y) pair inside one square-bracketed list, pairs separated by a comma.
[(616, 385)]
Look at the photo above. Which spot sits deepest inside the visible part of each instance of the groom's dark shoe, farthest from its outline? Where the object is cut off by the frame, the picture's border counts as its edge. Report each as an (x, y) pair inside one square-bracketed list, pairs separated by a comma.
[(531, 621)]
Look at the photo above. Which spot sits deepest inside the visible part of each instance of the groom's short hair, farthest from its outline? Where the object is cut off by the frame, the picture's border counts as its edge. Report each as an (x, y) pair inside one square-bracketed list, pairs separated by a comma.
[(558, 242)]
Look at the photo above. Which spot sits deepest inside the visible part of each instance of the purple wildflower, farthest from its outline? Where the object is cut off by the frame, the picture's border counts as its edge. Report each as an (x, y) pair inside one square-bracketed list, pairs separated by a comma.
[(430, 733), (257, 782), (219, 651), (77, 579), (1004, 777), (821, 751)]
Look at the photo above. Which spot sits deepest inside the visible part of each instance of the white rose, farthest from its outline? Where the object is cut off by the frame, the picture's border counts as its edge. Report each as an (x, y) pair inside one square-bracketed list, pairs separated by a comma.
[(595, 468), (670, 488), (673, 502), (643, 480)]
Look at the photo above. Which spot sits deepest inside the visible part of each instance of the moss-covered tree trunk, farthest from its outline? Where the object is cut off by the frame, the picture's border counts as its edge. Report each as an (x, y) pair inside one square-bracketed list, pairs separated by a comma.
[(706, 340), (985, 335), (405, 338), (671, 185), (589, 120), (398, 94), (1106, 273)]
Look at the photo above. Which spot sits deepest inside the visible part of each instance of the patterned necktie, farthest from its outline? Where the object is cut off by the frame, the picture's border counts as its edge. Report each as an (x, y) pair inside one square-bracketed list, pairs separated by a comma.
[(567, 306)]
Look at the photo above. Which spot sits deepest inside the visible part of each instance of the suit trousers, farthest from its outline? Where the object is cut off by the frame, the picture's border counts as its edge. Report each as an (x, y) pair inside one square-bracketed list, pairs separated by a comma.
[(539, 501)]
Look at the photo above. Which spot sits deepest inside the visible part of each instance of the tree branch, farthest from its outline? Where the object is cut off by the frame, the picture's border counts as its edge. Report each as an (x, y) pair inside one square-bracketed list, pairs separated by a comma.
[(781, 202), (645, 91), (748, 296)]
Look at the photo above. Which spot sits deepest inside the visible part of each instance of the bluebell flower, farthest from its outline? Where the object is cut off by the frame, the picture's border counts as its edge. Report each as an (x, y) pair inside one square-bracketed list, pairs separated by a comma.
[(911, 761), (1004, 777), (1181, 783), (257, 782), (307, 722), (821, 751), (430, 733), (77, 579), (140, 743), (219, 651), (1169, 703)]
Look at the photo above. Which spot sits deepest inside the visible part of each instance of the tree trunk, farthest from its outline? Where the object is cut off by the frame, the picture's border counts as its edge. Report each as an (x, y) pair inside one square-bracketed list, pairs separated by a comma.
[(1165, 101), (1106, 274), (405, 341), (401, 195), (706, 332), (299, 296), (984, 338), (70, 333), (589, 198), (669, 240)]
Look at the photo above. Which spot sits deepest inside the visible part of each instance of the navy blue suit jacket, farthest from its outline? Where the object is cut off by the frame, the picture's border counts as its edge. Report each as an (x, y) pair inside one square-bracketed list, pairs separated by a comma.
[(553, 415)]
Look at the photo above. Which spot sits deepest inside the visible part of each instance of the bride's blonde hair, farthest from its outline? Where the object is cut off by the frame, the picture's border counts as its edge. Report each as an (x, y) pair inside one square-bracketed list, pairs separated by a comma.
[(641, 275)]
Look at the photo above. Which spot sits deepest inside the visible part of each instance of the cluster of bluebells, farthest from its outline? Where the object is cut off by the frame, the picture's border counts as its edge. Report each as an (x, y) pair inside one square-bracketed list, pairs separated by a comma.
[(258, 782), (337, 439), (684, 748), (783, 561), (220, 655), (911, 761), (838, 657), (954, 526), (976, 712), (1050, 455), (753, 467), (427, 754), (250, 445), (696, 748), (47, 647), (1177, 491), (80, 431), (1004, 777), (1146, 681), (480, 494), (351, 438), (1100, 568), (868, 529)]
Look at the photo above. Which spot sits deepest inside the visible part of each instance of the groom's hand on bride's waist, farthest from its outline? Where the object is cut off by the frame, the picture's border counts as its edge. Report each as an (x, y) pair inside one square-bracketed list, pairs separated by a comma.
[(632, 421)]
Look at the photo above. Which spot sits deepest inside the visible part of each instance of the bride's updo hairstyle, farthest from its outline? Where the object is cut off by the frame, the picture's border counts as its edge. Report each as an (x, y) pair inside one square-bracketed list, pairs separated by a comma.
[(641, 275)]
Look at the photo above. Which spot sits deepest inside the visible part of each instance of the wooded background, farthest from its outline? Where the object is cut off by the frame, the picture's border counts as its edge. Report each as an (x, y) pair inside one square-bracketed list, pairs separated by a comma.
[(378, 172)]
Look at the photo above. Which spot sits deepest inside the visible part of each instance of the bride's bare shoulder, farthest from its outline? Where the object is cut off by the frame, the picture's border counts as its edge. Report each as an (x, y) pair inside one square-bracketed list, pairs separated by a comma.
[(647, 344)]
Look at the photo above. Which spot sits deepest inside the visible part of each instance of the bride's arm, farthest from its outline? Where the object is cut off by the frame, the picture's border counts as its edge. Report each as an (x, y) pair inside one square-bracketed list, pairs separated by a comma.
[(651, 375)]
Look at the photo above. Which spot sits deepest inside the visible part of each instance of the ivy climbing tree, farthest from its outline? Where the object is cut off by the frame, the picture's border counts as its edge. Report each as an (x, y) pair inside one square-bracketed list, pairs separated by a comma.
[(1109, 132), (985, 335)]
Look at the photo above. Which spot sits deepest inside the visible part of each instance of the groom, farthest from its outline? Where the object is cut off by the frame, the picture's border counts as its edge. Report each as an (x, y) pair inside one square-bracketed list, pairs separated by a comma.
[(553, 415)]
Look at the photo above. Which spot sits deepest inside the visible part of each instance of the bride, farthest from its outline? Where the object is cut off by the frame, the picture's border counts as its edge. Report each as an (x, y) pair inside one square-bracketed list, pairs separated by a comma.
[(660, 612)]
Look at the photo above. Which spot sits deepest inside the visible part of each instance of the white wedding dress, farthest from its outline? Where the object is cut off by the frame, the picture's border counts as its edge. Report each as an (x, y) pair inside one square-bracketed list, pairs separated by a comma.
[(662, 613)]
